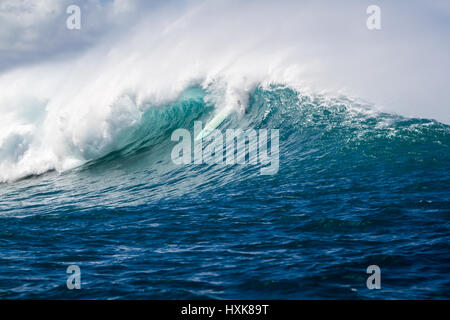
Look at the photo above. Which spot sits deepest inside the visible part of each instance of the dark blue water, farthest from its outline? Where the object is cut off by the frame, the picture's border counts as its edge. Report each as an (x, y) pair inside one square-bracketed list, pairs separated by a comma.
[(354, 188)]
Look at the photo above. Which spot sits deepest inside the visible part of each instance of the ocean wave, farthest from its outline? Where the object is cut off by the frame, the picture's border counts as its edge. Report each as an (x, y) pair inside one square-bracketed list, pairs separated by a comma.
[(60, 114), (307, 122)]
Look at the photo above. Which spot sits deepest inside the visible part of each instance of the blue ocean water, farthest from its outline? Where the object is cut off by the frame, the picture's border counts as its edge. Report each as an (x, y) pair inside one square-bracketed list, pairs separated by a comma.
[(354, 188)]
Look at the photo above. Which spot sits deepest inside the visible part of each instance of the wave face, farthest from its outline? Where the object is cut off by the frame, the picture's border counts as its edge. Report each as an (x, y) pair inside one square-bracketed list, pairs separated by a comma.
[(354, 188)]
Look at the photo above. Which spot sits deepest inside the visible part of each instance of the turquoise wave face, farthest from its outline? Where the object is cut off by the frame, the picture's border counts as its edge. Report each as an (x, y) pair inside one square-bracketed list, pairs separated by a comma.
[(354, 188)]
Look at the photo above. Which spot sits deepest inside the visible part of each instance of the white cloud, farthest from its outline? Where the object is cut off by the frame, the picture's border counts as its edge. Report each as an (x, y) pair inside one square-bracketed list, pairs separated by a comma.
[(32, 31)]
